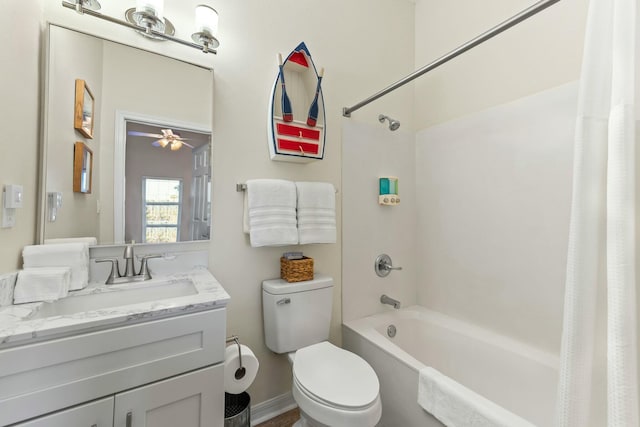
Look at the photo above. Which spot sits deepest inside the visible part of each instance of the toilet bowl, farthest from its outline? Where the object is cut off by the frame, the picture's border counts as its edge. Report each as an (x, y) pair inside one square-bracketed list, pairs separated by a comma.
[(334, 387)]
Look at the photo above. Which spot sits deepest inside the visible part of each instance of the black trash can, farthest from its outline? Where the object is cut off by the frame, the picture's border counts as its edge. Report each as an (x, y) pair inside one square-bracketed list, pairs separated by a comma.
[(237, 410)]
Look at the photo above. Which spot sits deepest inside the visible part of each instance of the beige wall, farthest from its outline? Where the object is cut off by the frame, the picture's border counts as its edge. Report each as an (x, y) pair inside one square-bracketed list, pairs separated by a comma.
[(19, 111), (543, 52), (363, 45)]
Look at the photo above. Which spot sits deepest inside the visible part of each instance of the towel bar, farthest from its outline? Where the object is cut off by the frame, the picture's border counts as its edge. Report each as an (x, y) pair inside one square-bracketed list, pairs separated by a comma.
[(240, 187)]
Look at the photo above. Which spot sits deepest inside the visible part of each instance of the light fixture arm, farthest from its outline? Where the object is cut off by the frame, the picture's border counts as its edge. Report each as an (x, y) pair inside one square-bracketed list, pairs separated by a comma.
[(78, 7)]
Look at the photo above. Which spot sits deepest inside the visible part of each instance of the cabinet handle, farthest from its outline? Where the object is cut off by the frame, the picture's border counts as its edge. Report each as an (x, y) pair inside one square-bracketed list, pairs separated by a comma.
[(129, 419)]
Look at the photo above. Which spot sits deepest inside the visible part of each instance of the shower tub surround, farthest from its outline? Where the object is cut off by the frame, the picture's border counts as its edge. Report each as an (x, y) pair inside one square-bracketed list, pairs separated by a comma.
[(517, 377)]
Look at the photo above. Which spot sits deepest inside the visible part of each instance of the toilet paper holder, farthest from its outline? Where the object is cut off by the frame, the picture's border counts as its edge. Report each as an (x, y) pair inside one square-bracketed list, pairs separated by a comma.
[(241, 371)]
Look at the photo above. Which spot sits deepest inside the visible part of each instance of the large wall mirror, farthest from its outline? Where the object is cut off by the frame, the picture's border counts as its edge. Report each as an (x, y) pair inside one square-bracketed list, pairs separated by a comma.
[(151, 143)]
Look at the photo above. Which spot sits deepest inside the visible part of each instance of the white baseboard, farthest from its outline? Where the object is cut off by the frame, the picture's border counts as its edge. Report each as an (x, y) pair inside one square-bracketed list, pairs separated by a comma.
[(271, 408)]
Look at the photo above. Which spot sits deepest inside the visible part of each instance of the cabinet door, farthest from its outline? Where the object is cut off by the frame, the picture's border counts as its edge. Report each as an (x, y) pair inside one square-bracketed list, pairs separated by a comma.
[(195, 399), (93, 414)]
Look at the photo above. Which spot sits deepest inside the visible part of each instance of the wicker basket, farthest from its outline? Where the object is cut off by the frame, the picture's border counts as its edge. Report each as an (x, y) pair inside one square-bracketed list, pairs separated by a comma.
[(296, 270)]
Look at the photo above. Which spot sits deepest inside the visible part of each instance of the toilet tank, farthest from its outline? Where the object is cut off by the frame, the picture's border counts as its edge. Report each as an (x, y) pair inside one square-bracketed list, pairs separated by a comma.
[(296, 314)]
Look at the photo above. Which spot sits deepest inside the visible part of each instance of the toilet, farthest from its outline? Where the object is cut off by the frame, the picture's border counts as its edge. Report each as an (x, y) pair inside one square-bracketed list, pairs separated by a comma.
[(332, 387)]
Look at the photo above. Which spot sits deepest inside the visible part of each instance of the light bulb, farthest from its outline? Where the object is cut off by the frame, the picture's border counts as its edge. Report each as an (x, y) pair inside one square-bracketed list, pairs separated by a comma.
[(153, 7), (206, 20)]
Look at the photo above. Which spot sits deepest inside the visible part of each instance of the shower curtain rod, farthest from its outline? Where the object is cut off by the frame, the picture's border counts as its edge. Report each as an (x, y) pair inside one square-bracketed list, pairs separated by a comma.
[(514, 20)]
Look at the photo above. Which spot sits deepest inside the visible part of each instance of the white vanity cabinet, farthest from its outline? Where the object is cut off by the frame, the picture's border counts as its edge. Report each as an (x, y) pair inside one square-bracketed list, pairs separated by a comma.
[(92, 414), (160, 373), (189, 400)]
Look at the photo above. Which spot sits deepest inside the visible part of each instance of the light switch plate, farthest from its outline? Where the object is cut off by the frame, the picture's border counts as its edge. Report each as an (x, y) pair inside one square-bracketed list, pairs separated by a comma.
[(11, 199), (13, 195), (8, 218)]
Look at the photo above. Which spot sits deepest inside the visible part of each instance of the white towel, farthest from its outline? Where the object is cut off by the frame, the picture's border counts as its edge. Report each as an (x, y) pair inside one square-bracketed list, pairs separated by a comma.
[(91, 241), (457, 406), (316, 212), (7, 285), (72, 255), (42, 284), (271, 212)]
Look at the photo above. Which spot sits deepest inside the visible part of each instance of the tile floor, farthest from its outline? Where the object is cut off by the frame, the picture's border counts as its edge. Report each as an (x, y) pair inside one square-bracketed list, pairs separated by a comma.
[(283, 420)]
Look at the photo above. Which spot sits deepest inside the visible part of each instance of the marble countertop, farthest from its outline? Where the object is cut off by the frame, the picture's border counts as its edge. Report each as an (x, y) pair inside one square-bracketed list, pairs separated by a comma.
[(20, 324)]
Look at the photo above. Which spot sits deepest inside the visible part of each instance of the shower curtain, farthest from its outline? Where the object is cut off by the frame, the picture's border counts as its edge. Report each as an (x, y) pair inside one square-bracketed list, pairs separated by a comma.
[(602, 227)]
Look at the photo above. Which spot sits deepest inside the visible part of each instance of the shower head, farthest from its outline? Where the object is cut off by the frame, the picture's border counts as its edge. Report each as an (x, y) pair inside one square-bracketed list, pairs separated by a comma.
[(393, 124)]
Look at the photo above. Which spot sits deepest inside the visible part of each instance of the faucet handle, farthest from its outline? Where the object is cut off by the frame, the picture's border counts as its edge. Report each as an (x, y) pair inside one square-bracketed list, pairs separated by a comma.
[(144, 267), (115, 269), (383, 265)]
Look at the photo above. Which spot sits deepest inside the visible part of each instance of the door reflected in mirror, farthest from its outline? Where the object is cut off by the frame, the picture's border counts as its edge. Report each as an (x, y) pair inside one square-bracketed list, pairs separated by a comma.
[(126, 83)]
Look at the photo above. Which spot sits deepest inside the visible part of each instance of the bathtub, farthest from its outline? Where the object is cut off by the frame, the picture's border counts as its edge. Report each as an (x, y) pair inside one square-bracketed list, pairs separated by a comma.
[(513, 375)]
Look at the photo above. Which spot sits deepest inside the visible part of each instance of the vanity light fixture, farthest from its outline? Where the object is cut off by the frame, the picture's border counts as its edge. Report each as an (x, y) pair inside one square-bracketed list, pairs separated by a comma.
[(206, 27), (148, 19)]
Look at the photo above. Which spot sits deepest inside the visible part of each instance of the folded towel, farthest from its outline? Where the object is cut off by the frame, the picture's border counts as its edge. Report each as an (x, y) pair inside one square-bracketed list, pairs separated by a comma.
[(271, 212), (457, 406), (91, 241), (316, 203), (42, 284), (72, 255), (7, 284)]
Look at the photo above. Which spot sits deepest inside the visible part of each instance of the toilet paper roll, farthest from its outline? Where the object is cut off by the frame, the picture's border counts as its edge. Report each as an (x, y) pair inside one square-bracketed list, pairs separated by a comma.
[(232, 365)]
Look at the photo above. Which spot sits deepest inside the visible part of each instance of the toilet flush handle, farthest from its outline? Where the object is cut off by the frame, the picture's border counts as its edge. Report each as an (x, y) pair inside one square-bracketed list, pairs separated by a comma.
[(284, 301)]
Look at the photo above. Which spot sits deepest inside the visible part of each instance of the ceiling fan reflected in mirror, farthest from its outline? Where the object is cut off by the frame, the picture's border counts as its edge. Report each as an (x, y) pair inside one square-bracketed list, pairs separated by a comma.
[(167, 138)]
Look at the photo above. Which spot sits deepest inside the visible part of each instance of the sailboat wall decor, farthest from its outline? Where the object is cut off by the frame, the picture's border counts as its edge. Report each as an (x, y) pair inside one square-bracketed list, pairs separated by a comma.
[(296, 119)]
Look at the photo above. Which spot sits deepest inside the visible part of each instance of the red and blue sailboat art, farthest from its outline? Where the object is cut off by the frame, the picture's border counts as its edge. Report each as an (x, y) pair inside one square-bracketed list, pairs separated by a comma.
[(296, 119)]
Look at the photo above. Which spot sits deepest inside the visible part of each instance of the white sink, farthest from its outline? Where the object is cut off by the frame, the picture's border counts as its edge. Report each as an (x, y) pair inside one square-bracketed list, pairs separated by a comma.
[(116, 296)]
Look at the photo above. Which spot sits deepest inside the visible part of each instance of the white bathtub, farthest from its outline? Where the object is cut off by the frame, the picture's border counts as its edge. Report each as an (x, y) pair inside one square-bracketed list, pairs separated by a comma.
[(518, 377)]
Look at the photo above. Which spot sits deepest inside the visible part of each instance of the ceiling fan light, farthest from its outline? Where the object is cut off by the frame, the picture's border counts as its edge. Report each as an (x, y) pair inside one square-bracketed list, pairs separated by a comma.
[(163, 142), (176, 145)]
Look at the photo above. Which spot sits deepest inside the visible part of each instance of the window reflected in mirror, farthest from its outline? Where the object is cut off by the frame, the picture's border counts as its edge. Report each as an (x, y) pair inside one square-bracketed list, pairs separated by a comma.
[(162, 207)]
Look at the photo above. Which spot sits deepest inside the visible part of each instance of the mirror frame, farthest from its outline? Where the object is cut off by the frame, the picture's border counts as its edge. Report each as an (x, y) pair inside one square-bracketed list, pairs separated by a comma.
[(120, 134)]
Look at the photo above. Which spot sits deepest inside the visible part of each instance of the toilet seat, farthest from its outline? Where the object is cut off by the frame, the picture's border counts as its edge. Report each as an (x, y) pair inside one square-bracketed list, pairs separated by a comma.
[(335, 386)]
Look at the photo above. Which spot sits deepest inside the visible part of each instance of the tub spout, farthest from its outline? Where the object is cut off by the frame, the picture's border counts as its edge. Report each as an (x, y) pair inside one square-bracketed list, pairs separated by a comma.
[(384, 299)]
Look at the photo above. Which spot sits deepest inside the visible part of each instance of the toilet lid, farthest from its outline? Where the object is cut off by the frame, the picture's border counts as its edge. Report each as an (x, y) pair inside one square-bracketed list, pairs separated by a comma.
[(335, 376)]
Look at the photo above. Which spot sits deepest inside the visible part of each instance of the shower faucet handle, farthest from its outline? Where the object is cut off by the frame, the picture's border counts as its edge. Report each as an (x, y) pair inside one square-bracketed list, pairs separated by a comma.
[(384, 265)]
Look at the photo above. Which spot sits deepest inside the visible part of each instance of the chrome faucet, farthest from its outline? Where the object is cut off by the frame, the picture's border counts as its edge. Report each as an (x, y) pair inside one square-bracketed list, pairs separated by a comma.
[(129, 270), (130, 274), (384, 299)]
